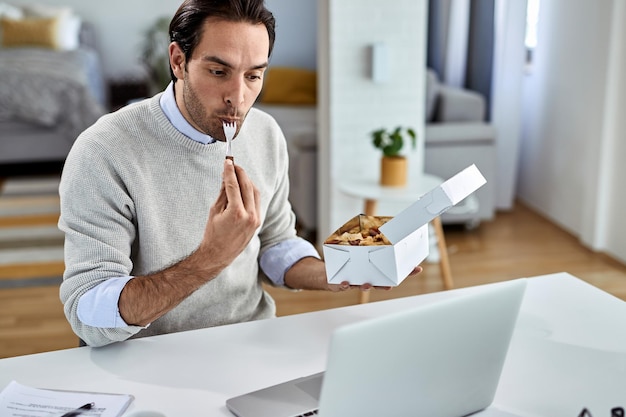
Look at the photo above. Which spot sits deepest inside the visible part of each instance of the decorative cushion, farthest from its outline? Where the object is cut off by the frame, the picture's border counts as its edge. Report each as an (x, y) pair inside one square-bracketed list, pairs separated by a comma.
[(69, 32), (287, 85), (68, 27), (30, 32), (10, 12)]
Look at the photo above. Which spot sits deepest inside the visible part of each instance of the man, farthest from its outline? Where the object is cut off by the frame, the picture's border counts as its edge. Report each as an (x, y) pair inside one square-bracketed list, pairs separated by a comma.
[(164, 234)]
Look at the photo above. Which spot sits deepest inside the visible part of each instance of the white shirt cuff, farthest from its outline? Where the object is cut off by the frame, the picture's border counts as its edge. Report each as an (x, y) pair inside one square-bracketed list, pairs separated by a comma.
[(279, 258), (98, 307)]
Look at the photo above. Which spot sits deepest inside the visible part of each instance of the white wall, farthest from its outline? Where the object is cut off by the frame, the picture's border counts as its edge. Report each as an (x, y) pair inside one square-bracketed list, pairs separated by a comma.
[(574, 132), (351, 104), (120, 26), (296, 33)]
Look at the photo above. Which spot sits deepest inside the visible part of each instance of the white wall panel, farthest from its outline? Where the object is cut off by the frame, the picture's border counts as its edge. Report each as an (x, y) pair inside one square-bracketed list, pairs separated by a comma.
[(354, 105)]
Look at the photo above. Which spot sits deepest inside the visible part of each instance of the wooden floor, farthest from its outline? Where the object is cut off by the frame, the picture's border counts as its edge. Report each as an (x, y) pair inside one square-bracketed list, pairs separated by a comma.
[(516, 244)]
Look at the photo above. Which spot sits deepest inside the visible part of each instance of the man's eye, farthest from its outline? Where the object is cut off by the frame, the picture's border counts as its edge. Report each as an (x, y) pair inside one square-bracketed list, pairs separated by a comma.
[(217, 72)]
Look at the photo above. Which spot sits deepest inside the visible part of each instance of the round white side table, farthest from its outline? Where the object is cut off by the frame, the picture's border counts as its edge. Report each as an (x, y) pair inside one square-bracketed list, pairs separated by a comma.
[(371, 192)]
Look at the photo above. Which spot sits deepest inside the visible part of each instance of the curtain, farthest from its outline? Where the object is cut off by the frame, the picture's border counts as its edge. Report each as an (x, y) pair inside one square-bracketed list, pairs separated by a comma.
[(461, 44)]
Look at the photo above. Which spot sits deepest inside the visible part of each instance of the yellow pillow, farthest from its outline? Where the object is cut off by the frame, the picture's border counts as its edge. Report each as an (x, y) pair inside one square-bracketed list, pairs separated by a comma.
[(30, 32), (285, 85)]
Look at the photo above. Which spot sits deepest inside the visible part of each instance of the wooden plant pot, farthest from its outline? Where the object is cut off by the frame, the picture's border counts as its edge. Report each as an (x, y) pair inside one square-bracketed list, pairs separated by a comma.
[(393, 171)]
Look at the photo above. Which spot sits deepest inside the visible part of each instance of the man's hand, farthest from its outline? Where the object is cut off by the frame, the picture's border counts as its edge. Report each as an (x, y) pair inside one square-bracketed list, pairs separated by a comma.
[(310, 274), (234, 217), (233, 220), (366, 287)]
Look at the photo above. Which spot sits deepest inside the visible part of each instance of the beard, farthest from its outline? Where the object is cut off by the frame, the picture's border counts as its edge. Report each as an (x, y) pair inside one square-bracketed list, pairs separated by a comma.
[(199, 114)]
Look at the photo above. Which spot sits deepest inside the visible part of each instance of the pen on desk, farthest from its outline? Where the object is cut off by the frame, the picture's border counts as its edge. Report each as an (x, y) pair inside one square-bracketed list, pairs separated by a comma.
[(79, 410)]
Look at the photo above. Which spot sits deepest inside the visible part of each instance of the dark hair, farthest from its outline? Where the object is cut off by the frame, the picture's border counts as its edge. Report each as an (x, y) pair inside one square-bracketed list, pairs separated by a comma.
[(186, 25)]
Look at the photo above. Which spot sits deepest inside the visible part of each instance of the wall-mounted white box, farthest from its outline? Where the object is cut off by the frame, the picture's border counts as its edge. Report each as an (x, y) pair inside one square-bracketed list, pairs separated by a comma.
[(380, 62)]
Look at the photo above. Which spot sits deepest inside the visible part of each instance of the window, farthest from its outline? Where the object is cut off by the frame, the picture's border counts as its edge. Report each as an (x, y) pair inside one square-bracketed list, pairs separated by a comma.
[(532, 18)]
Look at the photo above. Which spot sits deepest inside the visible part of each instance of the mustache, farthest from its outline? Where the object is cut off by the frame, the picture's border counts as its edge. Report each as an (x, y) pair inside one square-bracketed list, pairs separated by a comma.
[(230, 113)]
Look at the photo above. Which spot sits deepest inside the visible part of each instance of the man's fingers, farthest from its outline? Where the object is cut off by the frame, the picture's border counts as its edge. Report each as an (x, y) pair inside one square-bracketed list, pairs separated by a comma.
[(247, 189), (416, 270), (222, 201), (345, 285), (231, 184), (251, 198), (241, 200)]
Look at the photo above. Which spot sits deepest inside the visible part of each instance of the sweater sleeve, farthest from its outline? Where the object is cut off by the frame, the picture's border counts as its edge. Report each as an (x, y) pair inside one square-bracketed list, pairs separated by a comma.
[(96, 217)]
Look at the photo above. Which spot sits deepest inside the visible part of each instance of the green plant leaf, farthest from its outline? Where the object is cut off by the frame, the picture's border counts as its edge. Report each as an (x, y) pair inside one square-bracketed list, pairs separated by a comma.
[(392, 142), (413, 136)]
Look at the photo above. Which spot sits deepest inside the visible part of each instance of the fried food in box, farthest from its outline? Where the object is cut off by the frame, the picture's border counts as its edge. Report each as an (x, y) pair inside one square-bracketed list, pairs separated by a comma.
[(360, 231)]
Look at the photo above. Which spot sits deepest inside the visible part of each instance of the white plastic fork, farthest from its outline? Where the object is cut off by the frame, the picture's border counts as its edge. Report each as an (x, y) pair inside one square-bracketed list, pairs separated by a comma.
[(229, 131)]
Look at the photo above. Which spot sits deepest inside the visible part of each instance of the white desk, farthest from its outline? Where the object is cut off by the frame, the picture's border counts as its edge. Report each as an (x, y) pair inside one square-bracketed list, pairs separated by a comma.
[(370, 190), (568, 352)]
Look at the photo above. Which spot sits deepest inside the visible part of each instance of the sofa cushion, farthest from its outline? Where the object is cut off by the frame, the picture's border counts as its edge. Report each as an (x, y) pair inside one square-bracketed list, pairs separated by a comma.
[(459, 105), (455, 134), (30, 32), (286, 85), (69, 24)]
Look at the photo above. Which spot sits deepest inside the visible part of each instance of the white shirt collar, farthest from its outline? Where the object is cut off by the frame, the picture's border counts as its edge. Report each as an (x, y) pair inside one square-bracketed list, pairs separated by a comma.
[(171, 110)]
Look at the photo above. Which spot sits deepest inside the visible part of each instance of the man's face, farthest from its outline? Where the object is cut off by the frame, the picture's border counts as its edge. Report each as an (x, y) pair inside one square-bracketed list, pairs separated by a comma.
[(224, 76)]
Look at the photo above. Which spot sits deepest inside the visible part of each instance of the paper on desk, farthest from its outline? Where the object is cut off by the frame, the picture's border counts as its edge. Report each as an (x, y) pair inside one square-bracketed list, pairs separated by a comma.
[(23, 401)]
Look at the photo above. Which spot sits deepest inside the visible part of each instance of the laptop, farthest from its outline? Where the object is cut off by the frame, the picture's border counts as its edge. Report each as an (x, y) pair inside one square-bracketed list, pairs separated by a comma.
[(439, 360)]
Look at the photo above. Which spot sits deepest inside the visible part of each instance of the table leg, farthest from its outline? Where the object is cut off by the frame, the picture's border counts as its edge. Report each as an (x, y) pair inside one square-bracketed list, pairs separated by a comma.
[(444, 262), (370, 207)]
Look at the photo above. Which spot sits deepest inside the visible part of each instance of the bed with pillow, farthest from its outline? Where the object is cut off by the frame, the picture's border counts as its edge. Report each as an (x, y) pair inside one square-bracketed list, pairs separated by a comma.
[(51, 86), (290, 96)]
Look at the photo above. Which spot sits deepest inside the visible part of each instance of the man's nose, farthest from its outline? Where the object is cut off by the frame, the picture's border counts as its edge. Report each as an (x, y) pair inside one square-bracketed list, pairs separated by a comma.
[(234, 96)]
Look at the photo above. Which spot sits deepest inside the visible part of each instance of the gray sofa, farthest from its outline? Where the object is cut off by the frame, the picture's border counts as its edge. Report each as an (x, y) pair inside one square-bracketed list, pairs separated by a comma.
[(456, 136)]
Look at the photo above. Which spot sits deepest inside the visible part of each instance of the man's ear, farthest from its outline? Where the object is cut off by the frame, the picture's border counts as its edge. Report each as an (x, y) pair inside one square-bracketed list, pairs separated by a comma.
[(177, 60)]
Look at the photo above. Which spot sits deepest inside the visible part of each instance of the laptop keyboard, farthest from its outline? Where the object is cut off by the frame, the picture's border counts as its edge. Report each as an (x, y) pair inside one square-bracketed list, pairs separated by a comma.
[(307, 414)]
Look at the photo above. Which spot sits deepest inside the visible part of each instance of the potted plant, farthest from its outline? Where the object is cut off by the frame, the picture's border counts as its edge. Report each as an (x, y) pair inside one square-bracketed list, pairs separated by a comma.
[(155, 54), (393, 165)]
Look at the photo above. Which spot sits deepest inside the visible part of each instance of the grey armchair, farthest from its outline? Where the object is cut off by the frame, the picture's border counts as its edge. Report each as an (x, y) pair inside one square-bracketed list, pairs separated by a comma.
[(456, 136)]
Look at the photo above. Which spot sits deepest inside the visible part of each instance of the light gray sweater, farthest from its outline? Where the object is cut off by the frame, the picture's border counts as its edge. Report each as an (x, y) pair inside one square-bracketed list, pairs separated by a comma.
[(135, 198)]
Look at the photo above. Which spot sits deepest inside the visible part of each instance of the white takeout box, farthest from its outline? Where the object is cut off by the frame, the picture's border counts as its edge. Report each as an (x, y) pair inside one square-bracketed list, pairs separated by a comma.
[(408, 232)]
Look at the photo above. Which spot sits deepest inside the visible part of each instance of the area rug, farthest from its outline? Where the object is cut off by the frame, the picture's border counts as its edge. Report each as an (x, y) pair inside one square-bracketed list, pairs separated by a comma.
[(31, 246)]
